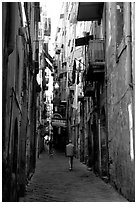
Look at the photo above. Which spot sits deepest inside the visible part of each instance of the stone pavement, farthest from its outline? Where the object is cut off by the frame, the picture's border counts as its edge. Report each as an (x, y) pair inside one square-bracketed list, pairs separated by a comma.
[(53, 182)]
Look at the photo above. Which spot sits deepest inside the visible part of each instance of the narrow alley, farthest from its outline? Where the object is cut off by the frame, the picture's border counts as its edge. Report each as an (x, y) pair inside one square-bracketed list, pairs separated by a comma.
[(53, 182), (68, 83)]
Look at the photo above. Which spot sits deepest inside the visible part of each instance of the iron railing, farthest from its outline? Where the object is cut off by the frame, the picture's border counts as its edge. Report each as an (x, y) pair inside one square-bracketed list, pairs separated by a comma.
[(96, 51)]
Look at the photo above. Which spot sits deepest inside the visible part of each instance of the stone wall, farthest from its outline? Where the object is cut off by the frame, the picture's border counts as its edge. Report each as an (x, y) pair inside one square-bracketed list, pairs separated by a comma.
[(119, 93)]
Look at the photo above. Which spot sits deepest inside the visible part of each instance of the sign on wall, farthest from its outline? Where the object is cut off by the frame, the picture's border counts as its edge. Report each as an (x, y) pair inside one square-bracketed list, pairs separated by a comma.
[(58, 122)]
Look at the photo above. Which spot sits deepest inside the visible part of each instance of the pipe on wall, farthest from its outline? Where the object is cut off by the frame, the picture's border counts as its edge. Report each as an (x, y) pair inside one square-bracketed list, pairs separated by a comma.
[(129, 77), (99, 138), (128, 42)]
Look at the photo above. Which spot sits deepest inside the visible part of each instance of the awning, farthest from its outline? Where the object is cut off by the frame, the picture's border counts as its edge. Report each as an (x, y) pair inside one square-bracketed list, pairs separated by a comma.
[(83, 41), (47, 64), (48, 60), (90, 11), (49, 57), (46, 54), (63, 74)]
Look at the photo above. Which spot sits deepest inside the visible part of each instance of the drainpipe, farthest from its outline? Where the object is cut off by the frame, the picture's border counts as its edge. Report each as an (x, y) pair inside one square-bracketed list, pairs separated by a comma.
[(99, 138), (129, 78), (128, 43), (10, 126), (106, 94)]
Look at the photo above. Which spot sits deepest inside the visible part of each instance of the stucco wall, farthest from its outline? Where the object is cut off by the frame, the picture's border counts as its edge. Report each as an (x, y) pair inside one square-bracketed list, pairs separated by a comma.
[(121, 167)]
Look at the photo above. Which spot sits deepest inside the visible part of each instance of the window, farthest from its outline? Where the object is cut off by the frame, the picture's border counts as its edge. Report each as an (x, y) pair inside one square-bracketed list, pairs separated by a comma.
[(120, 35), (120, 22), (17, 72)]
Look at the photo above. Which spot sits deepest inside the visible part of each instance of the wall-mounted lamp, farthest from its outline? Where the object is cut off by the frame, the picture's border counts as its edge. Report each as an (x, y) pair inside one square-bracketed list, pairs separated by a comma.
[(56, 85)]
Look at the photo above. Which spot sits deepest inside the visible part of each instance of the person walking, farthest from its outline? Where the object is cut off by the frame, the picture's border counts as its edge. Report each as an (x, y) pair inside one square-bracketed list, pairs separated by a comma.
[(70, 154), (50, 144)]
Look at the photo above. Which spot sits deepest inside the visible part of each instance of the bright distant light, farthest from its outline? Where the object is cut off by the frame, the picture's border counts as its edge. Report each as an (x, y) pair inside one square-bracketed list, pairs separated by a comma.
[(46, 137), (53, 10)]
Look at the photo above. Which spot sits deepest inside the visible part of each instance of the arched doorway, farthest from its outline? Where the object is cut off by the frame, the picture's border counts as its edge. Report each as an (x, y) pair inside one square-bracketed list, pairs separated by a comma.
[(104, 143), (13, 191)]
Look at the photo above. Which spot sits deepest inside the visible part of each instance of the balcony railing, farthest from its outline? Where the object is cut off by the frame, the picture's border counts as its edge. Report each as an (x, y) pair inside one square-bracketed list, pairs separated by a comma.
[(96, 66), (89, 88), (96, 52)]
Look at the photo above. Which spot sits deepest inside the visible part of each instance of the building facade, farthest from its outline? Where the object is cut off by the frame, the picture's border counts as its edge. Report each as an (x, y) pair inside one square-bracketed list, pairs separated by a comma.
[(96, 41), (19, 94), (45, 77)]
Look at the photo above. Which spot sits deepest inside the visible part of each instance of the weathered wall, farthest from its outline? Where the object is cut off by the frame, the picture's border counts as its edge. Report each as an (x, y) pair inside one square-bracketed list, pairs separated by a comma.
[(119, 94), (12, 77), (16, 112)]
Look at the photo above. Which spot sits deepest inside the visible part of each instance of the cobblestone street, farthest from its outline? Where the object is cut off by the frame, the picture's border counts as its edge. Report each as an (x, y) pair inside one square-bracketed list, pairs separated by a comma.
[(53, 182)]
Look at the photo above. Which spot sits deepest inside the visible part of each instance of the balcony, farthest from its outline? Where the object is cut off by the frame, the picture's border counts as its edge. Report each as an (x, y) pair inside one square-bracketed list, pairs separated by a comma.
[(95, 70), (80, 98), (36, 67), (45, 88), (46, 80), (90, 11), (89, 89), (96, 60), (96, 52)]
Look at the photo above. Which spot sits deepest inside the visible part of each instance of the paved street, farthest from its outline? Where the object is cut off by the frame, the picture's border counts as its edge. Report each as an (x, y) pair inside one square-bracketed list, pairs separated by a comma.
[(53, 182)]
